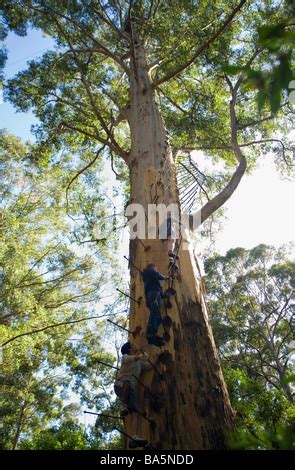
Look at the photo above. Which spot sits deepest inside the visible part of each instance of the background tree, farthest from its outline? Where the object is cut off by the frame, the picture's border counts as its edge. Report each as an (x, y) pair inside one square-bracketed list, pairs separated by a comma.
[(143, 83), (49, 293), (68, 436), (251, 305)]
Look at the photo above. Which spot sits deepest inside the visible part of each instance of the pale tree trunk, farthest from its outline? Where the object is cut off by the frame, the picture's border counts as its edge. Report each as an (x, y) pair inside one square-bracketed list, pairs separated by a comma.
[(190, 403), (280, 368), (19, 427)]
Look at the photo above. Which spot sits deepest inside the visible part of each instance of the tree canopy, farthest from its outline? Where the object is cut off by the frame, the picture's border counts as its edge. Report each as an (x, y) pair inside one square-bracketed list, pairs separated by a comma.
[(251, 301), (50, 289), (220, 73), (200, 58)]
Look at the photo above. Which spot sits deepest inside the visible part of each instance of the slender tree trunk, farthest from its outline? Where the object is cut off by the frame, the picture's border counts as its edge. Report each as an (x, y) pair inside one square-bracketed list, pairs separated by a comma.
[(19, 427), (190, 404), (280, 369)]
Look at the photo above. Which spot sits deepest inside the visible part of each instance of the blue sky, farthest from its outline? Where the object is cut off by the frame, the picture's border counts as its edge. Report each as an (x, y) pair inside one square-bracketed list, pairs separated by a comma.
[(20, 51), (260, 211)]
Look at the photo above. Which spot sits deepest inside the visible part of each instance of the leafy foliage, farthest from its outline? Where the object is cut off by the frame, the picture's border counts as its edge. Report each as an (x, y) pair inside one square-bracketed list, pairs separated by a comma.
[(80, 92), (68, 436), (50, 292), (274, 77), (252, 312)]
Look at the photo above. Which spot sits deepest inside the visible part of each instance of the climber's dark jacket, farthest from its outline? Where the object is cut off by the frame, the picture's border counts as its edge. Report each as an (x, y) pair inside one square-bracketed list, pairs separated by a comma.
[(151, 280)]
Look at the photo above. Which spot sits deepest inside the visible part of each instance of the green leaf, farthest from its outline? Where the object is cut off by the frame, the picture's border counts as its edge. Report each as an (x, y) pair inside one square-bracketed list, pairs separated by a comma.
[(232, 69), (289, 379)]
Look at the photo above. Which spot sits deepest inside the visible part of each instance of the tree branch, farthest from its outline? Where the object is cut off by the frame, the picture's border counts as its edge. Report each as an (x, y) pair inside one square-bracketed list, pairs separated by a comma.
[(57, 280), (69, 300), (202, 48), (37, 262), (47, 327), (254, 142), (96, 136), (244, 144), (87, 88), (82, 171), (119, 10), (248, 64), (226, 193), (103, 49), (107, 20), (176, 105), (258, 121), (95, 240)]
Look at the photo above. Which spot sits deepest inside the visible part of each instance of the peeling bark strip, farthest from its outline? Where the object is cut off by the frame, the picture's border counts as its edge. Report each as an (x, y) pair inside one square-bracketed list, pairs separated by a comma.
[(192, 410)]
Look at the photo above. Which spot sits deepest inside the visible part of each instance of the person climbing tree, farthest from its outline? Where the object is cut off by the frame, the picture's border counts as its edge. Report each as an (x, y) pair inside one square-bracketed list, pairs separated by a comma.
[(169, 234), (141, 98), (153, 296), (126, 388)]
